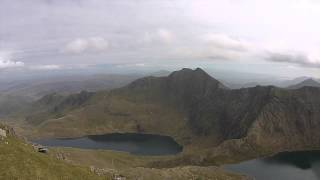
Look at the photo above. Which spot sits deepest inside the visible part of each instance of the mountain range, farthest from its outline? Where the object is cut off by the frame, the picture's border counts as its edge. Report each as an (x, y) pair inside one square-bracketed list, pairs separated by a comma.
[(41, 86), (197, 110)]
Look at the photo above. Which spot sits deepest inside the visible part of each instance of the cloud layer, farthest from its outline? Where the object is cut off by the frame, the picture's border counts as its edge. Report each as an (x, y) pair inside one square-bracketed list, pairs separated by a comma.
[(292, 58), (81, 45), (6, 62), (57, 34)]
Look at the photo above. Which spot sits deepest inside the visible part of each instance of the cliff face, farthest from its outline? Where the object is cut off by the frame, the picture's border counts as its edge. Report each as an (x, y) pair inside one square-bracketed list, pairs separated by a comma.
[(184, 87), (267, 116), (291, 119), (210, 108)]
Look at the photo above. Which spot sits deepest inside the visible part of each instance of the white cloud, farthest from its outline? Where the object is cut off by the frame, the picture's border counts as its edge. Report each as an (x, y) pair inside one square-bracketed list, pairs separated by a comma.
[(219, 46), (46, 67), (290, 57), (6, 62), (223, 41), (140, 65), (161, 35), (165, 35), (93, 44), (10, 64)]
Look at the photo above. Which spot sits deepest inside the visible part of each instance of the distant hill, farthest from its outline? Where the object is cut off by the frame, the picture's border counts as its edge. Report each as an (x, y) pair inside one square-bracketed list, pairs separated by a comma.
[(245, 85), (39, 87), (291, 82), (11, 104), (276, 81), (64, 85), (308, 82), (160, 73)]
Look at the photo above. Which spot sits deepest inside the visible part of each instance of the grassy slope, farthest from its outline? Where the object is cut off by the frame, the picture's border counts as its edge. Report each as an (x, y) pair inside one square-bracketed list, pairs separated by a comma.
[(137, 167), (113, 113), (19, 161), (105, 158)]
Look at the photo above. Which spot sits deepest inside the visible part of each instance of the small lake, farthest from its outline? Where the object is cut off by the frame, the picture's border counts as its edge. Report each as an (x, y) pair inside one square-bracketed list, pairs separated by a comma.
[(301, 165), (139, 144)]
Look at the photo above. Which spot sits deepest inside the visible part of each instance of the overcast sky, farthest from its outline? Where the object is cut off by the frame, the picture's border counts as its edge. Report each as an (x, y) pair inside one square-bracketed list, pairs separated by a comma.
[(279, 37)]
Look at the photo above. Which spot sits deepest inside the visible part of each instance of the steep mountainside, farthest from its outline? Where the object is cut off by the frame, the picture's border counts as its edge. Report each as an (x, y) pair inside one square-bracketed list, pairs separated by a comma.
[(308, 82), (54, 106), (198, 111)]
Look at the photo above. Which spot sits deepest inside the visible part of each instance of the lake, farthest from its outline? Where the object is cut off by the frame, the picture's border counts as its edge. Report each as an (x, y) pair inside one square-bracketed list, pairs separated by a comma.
[(301, 165), (134, 143)]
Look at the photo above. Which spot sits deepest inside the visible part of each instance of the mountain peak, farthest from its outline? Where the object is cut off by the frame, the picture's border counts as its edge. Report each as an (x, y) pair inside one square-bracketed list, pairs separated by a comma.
[(307, 82), (185, 81), (189, 70), (310, 80), (197, 76)]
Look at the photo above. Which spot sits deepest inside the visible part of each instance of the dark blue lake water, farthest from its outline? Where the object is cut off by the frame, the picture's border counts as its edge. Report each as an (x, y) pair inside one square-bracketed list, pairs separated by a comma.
[(302, 165), (140, 144)]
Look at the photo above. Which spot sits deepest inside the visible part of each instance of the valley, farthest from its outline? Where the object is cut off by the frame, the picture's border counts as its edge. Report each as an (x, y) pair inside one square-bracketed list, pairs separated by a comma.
[(214, 124)]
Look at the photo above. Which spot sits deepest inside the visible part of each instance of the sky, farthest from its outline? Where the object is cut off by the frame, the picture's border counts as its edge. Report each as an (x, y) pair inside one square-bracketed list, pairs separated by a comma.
[(275, 37)]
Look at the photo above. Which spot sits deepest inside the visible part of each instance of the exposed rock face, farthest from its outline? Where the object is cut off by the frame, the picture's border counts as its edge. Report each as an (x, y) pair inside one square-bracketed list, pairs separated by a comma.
[(3, 133), (291, 119), (270, 116), (7, 131), (211, 107)]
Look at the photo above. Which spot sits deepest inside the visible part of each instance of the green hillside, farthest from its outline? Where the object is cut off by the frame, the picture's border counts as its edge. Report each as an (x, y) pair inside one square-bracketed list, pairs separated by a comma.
[(19, 160)]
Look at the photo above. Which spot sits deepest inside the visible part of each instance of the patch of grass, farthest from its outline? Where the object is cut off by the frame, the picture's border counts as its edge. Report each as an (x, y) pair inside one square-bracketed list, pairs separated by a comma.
[(137, 167), (19, 160), (105, 158)]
